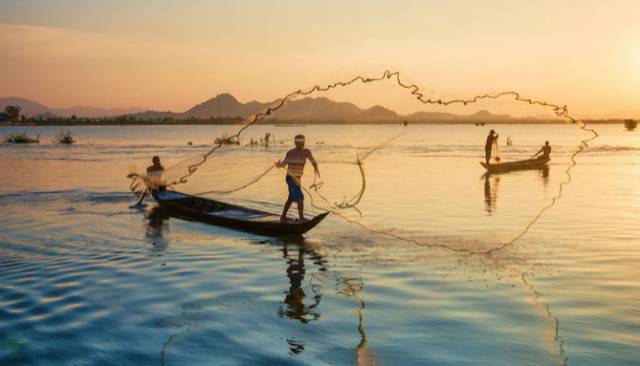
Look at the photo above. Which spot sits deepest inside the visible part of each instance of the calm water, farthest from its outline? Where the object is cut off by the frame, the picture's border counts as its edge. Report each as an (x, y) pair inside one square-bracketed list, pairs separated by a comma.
[(85, 280)]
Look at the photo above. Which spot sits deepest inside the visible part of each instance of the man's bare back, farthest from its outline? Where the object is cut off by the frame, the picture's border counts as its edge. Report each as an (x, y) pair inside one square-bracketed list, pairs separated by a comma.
[(296, 160)]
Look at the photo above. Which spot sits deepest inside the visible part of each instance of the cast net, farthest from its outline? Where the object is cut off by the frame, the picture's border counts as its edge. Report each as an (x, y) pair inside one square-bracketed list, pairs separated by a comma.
[(341, 193)]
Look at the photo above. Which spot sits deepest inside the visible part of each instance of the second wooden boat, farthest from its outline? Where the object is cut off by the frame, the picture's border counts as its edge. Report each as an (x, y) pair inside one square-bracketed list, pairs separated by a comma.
[(516, 165)]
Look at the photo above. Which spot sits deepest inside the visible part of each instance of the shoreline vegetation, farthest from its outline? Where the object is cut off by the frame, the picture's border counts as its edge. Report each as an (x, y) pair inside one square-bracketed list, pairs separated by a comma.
[(135, 121), (64, 137), (21, 138)]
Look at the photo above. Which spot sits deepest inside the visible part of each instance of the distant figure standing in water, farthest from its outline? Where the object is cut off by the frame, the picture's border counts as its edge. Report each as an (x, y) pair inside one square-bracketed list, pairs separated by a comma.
[(267, 136), (294, 162), (491, 139), (545, 150)]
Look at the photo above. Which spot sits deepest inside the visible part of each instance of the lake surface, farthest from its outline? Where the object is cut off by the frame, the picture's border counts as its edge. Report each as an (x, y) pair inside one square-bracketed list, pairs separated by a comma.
[(85, 280)]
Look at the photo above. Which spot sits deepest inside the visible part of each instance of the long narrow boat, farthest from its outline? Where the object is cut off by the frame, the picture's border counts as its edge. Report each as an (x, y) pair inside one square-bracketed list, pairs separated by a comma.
[(527, 164), (235, 217)]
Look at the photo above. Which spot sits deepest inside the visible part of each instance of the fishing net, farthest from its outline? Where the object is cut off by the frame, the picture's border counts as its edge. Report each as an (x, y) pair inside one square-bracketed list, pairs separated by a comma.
[(495, 150), (339, 192)]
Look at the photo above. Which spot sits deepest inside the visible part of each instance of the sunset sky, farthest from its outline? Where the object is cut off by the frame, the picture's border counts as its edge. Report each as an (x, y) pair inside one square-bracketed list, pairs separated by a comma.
[(168, 55)]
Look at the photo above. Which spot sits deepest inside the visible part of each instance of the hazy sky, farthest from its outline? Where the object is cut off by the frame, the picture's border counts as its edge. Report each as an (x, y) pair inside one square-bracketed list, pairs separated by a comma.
[(170, 55)]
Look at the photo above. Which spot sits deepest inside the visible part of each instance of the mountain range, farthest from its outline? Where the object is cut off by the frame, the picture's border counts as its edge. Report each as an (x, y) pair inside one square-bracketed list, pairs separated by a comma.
[(31, 108), (308, 109)]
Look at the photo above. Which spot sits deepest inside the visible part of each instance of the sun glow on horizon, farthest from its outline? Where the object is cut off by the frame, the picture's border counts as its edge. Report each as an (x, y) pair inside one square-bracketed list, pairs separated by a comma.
[(173, 57)]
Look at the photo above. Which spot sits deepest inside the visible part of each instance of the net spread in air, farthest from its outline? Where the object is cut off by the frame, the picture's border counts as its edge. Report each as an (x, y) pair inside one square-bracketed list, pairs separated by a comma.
[(181, 172)]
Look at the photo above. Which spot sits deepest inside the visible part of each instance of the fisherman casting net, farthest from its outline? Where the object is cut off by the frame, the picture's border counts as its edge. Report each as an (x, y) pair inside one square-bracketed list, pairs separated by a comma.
[(233, 166)]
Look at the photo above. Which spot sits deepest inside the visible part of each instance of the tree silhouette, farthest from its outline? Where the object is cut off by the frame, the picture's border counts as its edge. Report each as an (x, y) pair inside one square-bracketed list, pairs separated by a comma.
[(13, 111), (630, 124)]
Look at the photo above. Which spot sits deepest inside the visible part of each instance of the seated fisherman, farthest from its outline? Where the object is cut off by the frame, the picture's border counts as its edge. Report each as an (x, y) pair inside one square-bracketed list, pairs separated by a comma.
[(156, 169), (154, 174), (545, 150)]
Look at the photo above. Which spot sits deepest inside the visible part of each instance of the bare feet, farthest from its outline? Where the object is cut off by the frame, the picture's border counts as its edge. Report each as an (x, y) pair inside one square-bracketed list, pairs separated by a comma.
[(286, 219)]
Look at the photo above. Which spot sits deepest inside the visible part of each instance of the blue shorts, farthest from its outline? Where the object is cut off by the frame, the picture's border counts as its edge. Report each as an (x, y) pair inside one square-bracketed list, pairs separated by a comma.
[(295, 192)]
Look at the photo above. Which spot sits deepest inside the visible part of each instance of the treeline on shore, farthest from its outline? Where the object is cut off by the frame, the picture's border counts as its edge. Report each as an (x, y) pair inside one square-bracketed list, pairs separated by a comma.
[(136, 121)]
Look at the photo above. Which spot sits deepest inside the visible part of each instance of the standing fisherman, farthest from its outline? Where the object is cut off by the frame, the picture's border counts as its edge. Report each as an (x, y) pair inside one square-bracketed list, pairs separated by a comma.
[(491, 139), (294, 162)]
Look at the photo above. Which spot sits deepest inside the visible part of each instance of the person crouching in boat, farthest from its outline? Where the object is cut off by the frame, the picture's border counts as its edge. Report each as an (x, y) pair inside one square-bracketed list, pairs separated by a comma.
[(488, 147), (545, 150), (153, 179), (294, 161)]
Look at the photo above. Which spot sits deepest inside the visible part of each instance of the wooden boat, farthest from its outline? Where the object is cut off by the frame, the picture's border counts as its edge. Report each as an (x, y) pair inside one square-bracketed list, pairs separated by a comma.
[(527, 164), (235, 217)]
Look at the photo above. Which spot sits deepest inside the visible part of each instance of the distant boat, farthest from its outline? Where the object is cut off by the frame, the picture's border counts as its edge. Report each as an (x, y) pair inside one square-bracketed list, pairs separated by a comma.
[(235, 217), (528, 164)]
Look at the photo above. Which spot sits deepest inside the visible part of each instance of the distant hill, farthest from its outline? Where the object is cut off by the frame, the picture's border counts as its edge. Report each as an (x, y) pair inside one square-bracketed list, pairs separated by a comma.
[(378, 113), (93, 112), (31, 108), (156, 115), (225, 105), (480, 116), (319, 109)]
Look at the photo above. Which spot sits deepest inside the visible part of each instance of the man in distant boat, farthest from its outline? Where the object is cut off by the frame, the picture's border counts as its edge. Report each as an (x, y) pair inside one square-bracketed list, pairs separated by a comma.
[(491, 139), (545, 150), (294, 162)]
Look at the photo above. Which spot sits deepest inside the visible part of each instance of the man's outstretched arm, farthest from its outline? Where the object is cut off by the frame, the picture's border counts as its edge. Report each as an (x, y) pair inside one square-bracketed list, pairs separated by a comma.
[(539, 151), (313, 162), (282, 163)]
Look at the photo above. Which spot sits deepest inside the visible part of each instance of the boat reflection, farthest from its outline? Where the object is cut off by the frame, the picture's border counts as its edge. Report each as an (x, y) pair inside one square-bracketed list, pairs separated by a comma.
[(492, 184)]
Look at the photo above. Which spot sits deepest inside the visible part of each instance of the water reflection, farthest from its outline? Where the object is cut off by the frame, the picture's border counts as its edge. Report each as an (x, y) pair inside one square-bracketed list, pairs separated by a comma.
[(352, 287), (491, 183), (298, 304), (157, 226), (303, 306), (545, 177)]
